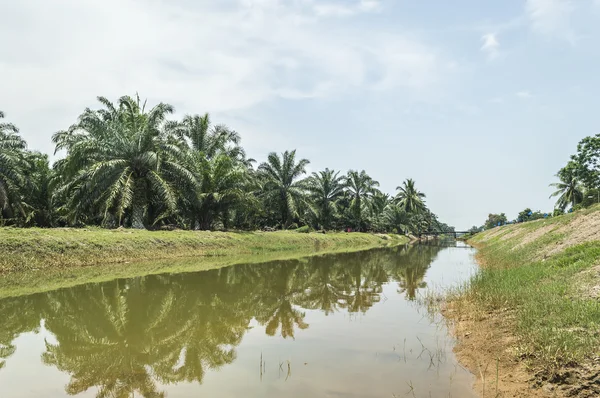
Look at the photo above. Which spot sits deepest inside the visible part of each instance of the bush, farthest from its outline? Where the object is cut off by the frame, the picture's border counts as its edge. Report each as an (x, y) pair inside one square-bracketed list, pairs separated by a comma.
[(303, 230), (557, 212)]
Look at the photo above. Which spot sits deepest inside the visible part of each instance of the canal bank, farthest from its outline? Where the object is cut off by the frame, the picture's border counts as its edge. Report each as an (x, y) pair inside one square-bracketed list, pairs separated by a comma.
[(528, 324), (33, 260)]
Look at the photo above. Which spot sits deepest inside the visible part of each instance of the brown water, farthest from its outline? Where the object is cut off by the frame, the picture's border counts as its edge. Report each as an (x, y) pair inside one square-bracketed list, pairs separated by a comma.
[(344, 325)]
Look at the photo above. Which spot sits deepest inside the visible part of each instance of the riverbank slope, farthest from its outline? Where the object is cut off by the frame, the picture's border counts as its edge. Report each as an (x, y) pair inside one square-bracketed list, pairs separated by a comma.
[(528, 325), (38, 249), (34, 260)]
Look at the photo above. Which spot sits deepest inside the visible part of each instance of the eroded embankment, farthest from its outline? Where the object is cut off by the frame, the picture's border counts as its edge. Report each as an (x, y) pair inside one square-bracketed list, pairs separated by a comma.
[(528, 325), (34, 260)]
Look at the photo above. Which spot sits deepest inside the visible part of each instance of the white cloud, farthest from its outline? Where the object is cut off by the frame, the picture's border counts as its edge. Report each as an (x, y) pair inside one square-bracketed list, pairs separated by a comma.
[(344, 9), (525, 94), (552, 17), (199, 56), (490, 46)]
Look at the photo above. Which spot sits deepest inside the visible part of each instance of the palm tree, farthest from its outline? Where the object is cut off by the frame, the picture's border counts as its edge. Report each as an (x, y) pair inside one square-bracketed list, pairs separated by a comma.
[(210, 140), (361, 187), (409, 198), (394, 217), (12, 167), (325, 187), (122, 160), (569, 189), (221, 186), (282, 184)]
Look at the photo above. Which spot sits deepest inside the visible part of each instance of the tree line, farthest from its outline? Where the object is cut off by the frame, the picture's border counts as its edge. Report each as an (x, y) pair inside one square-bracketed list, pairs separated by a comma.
[(125, 165), (578, 187)]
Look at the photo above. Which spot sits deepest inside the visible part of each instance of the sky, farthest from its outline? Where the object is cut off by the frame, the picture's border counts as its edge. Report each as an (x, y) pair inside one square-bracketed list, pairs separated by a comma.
[(480, 101)]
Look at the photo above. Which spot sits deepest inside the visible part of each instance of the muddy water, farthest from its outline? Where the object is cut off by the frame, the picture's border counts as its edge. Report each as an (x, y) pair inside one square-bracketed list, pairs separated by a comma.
[(345, 325)]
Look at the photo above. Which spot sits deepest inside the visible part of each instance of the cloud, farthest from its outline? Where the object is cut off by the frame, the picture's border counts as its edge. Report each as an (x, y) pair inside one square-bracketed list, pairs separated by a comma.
[(490, 46), (346, 8), (551, 17), (525, 94), (200, 56)]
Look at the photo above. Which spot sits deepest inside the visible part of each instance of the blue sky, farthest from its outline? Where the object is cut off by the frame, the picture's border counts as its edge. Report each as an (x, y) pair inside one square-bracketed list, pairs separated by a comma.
[(479, 101)]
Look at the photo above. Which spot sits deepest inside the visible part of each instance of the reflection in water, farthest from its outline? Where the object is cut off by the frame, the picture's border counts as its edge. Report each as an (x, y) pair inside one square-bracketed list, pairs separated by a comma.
[(136, 335)]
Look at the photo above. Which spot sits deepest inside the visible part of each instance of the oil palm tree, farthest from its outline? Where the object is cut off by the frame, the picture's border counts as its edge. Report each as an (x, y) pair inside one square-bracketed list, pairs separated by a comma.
[(395, 218), (221, 185), (209, 140), (282, 184), (122, 160), (360, 186), (324, 188), (569, 189), (12, 168), (409, 198)]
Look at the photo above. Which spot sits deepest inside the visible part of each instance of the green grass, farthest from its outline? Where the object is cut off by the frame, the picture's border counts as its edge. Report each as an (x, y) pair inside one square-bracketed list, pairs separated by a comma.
[(556, 322), (33, 260)]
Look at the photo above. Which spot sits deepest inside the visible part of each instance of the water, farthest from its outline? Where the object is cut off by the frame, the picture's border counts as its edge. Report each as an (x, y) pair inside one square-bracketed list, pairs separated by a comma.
[(343, 325)]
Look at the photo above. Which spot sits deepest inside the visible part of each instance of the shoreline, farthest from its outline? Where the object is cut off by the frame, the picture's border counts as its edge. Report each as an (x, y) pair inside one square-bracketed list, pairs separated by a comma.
[(35, 260), (527, 324)]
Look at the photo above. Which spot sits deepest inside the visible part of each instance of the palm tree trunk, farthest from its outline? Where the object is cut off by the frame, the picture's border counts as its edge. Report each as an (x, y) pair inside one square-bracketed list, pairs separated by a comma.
[(137, 213), (137, 217)]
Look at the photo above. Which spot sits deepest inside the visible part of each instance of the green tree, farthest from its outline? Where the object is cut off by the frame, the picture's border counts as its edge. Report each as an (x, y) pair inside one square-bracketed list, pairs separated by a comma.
[(12, 170), (569, 189), (409, 198), (396, 218), (325, 188), (282, 184), (210, 140), (495, 220), (221, 183), (122, 160), (360, 187), (586, 163)]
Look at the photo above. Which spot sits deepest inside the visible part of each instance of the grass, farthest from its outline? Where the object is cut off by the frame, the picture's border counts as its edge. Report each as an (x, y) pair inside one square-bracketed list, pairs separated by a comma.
[(556, 322), (34, 260)]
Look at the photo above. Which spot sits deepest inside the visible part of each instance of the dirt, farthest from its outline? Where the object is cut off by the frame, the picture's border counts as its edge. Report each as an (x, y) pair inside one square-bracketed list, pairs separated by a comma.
[(532, 236), (580, 230), (487, 347)]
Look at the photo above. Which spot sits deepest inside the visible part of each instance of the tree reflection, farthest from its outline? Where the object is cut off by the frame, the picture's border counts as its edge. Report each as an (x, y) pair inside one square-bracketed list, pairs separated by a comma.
[(133, 336)]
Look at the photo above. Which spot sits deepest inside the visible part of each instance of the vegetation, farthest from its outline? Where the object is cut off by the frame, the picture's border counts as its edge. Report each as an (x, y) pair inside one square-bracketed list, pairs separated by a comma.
[(128, 165), (43, 249), (550, 260)]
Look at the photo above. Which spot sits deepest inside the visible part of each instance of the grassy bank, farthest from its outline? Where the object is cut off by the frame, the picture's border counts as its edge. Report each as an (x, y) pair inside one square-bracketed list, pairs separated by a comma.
[(534, 307), (33, 260)]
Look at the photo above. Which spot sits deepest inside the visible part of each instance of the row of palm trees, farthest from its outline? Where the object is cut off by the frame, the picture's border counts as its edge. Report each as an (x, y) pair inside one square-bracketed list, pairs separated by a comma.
[(126, 165), (126, 337)]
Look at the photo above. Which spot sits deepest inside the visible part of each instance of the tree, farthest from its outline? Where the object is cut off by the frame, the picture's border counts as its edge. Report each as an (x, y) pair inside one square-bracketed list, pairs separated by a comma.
[(121, 161), (409, 198), (569, 190), (495, 220), (586, 163), (12, 170), (324, 188), (360, 186), (221, 186), (395, 218), (208, 140), (282, 185)]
